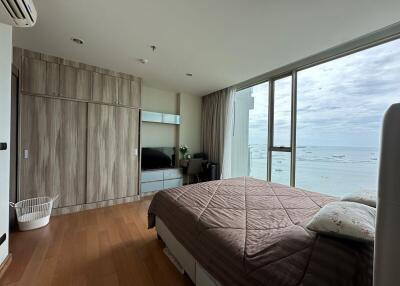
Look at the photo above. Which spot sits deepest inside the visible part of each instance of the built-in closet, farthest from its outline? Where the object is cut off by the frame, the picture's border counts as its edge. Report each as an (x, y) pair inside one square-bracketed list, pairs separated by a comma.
[(78, 132)]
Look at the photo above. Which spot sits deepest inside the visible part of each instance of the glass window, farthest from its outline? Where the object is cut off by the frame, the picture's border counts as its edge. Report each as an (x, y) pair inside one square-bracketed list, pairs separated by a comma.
[(281, 168), (251, 132), (340, 107), (282, 111)]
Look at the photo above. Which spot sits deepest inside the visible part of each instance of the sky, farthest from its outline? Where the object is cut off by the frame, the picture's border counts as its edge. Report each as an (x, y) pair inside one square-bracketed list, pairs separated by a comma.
[(339, 103)]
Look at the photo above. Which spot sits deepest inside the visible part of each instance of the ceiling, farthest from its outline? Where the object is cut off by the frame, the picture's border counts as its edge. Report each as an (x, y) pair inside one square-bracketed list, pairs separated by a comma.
[(221, 42)]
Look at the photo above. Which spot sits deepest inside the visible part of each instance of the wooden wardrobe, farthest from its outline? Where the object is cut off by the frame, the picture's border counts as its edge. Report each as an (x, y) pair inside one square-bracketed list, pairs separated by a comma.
[(78, 132)]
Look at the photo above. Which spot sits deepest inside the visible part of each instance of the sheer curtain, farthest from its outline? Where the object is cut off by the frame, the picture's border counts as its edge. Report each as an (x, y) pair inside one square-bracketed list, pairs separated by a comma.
[(217, 129)]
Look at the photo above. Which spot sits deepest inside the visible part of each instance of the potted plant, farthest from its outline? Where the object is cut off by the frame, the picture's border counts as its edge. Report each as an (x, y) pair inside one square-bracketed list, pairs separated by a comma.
[(183, 149)]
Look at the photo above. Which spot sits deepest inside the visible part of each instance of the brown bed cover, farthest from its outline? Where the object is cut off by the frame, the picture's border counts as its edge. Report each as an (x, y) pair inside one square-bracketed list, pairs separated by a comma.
[(245, 231)]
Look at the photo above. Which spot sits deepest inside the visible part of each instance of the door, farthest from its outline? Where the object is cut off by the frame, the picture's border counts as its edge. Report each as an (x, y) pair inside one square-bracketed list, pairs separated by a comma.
[(281, 141), (101, 154), (13, 144), (112, 152), (53, 148), (127, 147)]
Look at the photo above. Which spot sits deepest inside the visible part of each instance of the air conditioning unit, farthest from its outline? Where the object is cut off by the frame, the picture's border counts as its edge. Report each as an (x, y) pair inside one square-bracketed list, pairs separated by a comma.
[(19, 13)]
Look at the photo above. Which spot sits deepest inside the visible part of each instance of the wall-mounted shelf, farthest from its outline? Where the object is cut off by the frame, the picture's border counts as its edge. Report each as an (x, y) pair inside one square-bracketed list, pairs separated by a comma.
[(157, 117)]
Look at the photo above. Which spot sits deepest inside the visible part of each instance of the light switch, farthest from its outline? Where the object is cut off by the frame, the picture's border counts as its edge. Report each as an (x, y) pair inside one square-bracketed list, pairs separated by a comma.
[(26, 154), (135, 152)]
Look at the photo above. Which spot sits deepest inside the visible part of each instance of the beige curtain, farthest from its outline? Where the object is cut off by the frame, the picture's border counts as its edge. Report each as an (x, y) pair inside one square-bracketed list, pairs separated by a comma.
[(216, 128)]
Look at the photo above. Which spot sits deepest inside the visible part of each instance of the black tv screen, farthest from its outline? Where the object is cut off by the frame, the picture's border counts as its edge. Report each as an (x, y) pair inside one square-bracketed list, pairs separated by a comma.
[(158, 158)]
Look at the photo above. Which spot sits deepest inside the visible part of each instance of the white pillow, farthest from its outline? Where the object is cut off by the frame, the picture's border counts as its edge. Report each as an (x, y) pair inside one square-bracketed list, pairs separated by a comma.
[(363, 197), (345, 219)]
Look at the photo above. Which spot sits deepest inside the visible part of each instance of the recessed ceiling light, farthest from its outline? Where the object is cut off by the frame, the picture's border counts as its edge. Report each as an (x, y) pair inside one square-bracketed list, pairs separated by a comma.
[(77, 41), (143, 61), (189, 74)]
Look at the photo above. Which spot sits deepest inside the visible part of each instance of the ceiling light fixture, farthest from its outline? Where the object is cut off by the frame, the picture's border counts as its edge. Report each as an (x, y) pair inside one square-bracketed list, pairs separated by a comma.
[(143, 61), (77, 41), (189, 74)]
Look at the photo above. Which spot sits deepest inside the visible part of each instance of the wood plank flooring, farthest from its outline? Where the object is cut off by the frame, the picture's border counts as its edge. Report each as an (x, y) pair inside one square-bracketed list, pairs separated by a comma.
[(107, 246)]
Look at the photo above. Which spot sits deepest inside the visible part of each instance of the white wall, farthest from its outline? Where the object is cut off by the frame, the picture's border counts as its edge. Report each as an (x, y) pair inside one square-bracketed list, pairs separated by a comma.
[(5, 110), (158, 100), (155, 134), (165, 135), (190, 129)]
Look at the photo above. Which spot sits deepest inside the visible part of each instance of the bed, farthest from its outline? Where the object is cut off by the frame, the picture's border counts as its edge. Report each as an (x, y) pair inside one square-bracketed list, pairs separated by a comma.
[(245, 231)]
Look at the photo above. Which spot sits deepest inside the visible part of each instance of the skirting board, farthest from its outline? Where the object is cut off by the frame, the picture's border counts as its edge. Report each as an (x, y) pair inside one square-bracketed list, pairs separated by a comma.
[(148, 194), (5, 265), (102, 204)]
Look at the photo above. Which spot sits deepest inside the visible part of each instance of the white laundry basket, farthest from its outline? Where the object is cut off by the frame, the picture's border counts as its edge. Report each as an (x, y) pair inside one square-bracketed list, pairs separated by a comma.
[(33, 213)]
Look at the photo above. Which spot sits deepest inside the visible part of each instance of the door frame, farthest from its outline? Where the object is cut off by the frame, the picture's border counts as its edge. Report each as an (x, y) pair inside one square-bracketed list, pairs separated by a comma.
[(14, 145)]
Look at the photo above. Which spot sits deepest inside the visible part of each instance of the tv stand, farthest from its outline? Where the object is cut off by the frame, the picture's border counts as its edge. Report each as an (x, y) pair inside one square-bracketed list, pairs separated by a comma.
[(160, 179)]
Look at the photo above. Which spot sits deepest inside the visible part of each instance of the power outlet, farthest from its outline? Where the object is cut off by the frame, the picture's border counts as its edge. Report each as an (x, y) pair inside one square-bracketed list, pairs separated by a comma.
[(3, 146)]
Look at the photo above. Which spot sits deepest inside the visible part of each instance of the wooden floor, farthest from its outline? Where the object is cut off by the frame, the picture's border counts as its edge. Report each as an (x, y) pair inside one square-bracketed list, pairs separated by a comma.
[(108, 246)]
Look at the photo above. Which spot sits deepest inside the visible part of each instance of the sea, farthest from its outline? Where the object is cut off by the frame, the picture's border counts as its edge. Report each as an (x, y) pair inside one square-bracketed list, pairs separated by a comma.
[(332, 170)]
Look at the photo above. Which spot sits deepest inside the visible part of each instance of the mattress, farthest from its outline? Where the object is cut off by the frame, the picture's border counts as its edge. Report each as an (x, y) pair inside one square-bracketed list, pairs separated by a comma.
[(245, 231)]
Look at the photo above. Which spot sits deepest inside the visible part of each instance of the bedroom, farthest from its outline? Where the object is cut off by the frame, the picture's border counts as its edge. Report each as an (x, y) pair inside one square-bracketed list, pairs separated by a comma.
[(183, 142)]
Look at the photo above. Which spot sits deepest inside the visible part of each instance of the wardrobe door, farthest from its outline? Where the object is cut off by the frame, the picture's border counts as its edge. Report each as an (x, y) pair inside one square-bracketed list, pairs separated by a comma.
[(127, 120), (124, 92), (52, 79), (75, 83), (53, 147), (102, 152), (136, 86), (129, 92), (112, 152), (104, 88), (40, 77), (33, 76)]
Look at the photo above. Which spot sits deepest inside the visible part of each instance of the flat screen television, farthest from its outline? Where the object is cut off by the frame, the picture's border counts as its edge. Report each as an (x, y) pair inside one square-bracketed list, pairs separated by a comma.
[(158, 158)]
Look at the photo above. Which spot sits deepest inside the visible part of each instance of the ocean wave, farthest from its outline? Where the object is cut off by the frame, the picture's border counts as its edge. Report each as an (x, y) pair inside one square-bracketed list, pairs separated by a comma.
[(338, 156), (345, 155)]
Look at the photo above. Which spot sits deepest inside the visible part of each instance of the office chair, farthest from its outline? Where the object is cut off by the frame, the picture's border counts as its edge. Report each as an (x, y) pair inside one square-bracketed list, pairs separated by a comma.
[(195, 168)]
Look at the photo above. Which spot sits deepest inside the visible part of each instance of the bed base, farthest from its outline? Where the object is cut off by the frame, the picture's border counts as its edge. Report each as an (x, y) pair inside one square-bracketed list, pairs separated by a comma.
[(192, 268)]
